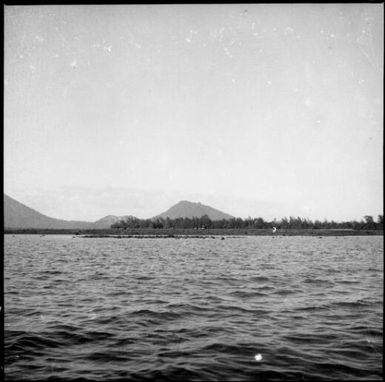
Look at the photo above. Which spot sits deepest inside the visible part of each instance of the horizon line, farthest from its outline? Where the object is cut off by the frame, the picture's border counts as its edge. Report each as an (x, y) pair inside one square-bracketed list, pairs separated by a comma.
[(275, 219)]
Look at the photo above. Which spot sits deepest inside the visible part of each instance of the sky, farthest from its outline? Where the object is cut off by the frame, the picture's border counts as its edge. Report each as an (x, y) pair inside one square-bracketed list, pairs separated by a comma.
[(258, 110)]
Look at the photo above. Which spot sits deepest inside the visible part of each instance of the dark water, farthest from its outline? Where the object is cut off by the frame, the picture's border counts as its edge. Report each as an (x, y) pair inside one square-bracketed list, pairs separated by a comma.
[(193, 309)]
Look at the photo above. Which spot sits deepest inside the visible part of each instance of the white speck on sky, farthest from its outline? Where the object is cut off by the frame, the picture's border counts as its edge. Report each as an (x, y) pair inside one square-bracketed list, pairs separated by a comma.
[(159, 91), (289, 30), (227, 51)]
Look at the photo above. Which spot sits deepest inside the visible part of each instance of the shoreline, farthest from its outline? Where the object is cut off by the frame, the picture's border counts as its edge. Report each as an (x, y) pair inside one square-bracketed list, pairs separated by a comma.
[(191, 233)]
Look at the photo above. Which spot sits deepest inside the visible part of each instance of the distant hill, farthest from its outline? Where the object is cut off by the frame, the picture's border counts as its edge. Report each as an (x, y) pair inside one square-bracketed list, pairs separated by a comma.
[(18, 215), (107, 221), (186, 209)]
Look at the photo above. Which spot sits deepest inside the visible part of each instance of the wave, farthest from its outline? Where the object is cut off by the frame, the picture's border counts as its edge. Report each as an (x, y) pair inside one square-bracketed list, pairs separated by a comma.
[(149, 312)]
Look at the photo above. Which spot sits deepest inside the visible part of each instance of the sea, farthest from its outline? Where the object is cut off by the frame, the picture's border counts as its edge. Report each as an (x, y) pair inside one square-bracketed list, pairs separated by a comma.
[(233, 308)]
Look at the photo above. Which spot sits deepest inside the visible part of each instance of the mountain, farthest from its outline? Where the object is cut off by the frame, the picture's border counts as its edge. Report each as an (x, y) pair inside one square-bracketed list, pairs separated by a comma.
[(107, 221), (18, 215), (186, 209)]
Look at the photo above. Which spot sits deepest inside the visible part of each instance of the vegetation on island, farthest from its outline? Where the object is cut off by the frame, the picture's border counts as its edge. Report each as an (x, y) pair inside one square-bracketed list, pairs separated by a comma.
[(204, 222)]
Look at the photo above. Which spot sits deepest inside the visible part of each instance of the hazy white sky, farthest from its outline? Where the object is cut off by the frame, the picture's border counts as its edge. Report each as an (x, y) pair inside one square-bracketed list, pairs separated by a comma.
[(261, 110)]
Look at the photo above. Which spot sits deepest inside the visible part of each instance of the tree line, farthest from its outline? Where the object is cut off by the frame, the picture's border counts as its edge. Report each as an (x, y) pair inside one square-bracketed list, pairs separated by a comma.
[(204, 222)]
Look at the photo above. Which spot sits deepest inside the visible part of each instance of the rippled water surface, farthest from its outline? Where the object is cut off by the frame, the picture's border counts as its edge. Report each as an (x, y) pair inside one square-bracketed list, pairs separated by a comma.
[(193, 309)]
